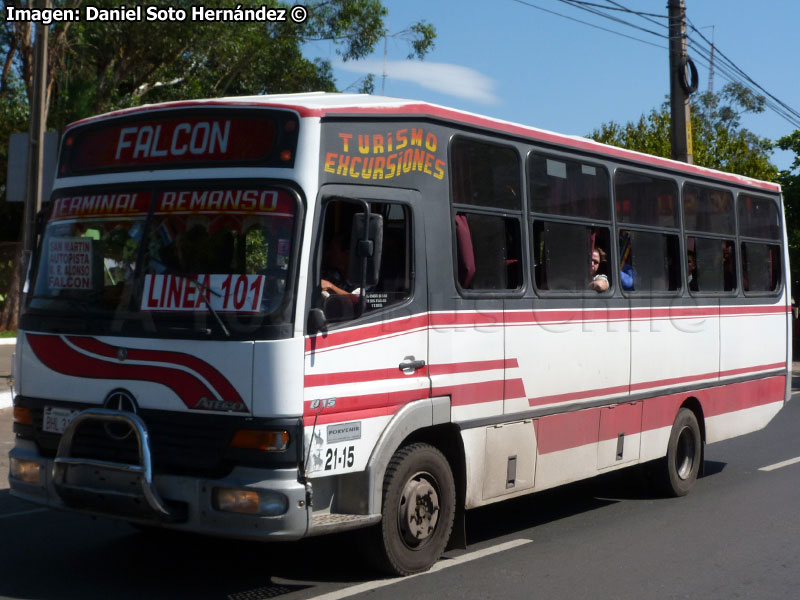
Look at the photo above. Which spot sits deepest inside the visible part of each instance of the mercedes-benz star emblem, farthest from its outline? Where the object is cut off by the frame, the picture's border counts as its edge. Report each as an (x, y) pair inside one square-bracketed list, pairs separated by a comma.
[(119, 400)]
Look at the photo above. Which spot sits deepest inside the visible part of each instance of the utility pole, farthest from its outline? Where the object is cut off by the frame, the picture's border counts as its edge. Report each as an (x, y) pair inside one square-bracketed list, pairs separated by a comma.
[(679, 96), (33, 198), (711, 65)]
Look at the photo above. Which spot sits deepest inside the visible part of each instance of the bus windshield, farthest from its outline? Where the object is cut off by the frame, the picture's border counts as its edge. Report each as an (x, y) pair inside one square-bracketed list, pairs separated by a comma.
[(192, 256)]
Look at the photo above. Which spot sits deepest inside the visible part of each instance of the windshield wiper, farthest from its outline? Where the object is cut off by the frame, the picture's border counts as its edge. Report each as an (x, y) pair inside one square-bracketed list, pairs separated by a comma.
[(208, 290)]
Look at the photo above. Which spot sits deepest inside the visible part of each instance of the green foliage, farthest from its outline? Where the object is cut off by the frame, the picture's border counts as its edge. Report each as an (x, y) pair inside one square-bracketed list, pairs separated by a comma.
[(790, 183), (718, 140)]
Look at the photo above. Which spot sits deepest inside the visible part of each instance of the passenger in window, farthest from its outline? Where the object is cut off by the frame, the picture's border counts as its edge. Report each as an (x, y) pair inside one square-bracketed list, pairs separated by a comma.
[(598, 269), (336, 261), (691, 261), (627, 275), (728, 266)]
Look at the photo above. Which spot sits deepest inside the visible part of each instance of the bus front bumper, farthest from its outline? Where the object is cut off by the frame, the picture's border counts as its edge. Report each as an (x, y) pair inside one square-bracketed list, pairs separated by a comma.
[(247, 504)]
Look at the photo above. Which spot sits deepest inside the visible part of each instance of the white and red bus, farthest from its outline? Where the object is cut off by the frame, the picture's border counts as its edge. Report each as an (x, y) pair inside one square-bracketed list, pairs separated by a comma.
[(276, 317)]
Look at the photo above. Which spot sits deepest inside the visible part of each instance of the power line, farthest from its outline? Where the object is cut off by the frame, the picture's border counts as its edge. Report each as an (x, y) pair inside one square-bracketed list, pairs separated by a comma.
[(621, 8), (552, 12), (724, 65), (742, 75)]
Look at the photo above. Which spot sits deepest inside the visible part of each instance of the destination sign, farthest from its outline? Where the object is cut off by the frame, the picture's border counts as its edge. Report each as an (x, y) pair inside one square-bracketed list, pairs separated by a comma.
[(219, 138)]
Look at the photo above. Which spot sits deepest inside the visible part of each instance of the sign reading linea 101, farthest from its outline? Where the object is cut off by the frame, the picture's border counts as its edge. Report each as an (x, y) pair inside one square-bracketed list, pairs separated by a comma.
[(224, 292), (188, 140)]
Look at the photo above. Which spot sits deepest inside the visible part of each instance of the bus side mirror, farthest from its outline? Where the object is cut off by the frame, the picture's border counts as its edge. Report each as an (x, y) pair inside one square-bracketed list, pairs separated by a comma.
[(366, 245), (317, 321)]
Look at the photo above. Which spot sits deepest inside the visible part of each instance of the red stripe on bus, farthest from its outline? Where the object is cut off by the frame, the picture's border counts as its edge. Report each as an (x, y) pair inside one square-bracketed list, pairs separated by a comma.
[(499, 319), (368, 376), (470, 319), (574, 429), (374, 405), (582, 395), (534, 317), (471, 393), (57, 355), (472, 366), (368, 401), (202, 368), (515, 388), (715, 401), (598, 392), (391, 373), (740, 311), (623, 418), (370, 332)]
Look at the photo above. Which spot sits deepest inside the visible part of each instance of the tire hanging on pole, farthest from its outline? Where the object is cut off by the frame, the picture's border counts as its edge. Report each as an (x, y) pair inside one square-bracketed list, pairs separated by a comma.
[(688, 78)]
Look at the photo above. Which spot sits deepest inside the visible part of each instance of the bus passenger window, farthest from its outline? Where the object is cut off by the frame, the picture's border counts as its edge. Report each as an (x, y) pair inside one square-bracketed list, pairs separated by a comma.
[(560, 186), (488, 252), (646, 200), (649, 262), (761, 267), (710, 265), (562, 253)]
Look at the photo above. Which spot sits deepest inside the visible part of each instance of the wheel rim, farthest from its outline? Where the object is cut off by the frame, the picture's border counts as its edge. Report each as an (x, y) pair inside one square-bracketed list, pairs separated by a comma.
[(686, 453), (419, 510)]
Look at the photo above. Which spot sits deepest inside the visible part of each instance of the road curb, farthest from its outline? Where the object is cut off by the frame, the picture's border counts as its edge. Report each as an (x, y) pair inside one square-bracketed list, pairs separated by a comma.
[(5, 399)]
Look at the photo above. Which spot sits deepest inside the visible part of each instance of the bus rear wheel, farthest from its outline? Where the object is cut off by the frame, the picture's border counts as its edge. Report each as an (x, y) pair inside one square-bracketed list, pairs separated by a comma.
[(684, 454), (419, 500)]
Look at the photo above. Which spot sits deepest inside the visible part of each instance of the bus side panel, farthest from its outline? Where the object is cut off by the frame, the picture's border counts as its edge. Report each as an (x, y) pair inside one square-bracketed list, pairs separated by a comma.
[(741, 408), (728, 410), (675, 344), (567, 448), (752, 338), (565, 351)]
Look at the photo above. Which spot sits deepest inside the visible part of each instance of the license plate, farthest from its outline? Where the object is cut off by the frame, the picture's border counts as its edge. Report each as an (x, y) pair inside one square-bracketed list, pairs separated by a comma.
[(56, 419)]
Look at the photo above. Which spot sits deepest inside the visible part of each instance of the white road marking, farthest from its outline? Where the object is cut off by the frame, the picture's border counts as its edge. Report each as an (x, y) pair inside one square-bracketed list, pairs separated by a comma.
[(442, 564), (5, 398), (23, 512), (785, 463)]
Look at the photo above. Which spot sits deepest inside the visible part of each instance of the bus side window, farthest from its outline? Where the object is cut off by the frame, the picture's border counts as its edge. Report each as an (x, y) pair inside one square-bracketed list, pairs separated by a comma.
[(649, 261), (562, 252), (488, 251)]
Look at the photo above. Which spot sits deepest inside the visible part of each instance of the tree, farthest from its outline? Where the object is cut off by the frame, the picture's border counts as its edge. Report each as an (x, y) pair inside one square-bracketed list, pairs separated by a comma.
[(98, 66), (790, 183), (719, 141)]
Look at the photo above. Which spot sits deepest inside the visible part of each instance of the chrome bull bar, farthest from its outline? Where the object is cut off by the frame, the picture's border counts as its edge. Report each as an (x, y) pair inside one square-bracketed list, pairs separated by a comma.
[(143, 471)]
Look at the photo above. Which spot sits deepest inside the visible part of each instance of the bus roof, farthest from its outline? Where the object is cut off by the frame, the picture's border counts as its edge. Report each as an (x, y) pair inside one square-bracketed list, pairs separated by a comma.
[(323, 104)]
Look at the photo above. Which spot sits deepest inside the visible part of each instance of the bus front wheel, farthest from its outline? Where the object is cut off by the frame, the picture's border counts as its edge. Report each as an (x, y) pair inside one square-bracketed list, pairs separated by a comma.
[(684, 454), (419, 500)]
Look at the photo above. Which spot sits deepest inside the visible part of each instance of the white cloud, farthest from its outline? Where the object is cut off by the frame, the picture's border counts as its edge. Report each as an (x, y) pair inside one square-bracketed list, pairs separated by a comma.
[(445, 78)]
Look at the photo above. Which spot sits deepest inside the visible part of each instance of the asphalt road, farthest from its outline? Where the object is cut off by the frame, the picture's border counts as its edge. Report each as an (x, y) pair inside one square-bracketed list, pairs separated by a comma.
[(737, 535)]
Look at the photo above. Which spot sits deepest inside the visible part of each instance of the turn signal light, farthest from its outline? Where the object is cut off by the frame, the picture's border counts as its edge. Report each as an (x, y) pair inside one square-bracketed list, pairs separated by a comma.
[(28, 471), (22, 415), (268, 441), (250, 502)]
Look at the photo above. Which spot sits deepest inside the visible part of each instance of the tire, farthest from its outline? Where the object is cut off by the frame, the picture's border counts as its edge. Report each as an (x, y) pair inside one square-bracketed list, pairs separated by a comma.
[(684, 454), (410, 541)]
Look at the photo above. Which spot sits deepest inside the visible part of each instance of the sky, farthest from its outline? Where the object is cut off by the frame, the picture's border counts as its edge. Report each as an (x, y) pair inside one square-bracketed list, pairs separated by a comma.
[(510, 60)]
